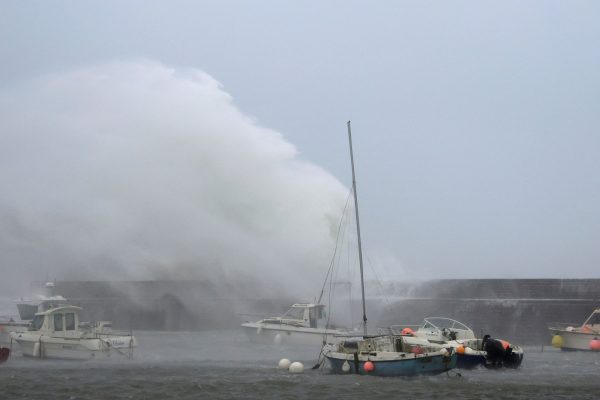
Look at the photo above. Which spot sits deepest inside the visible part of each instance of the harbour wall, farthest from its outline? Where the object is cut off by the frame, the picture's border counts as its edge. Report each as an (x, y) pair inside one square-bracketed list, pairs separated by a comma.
[(518, 310)]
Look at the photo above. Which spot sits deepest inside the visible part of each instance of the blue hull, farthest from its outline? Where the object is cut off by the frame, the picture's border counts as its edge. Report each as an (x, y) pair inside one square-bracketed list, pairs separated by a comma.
[(470, 361), (466, 361), (405, 367)]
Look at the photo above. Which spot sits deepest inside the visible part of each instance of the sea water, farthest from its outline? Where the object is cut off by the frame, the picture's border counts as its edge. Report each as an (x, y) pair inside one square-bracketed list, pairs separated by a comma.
[(224, 365)]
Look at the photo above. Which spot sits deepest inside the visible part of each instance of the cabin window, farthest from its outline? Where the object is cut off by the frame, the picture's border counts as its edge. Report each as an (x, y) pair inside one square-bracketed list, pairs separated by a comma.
[(320, 312), (70, 321), (295, 313), (36, 323), (58, 322), (313, 320)]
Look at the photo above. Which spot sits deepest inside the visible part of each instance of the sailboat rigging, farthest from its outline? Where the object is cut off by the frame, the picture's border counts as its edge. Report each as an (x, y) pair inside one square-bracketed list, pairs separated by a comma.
[(383, 355)]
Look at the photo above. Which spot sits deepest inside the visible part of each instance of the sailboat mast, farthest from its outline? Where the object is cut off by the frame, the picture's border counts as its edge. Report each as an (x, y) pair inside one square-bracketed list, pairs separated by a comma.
[(360, 259)]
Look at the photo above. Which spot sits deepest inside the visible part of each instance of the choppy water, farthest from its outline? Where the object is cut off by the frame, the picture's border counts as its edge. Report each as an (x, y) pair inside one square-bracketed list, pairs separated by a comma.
[(224, 365)]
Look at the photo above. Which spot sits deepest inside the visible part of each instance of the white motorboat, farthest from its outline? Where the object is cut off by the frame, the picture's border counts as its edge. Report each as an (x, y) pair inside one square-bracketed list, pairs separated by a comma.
[(439, 332), (303, 323), (57, 333), (584, 337)]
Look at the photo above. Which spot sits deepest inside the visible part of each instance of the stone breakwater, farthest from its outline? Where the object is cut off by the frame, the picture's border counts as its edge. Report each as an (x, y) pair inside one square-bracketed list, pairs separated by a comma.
[(514, 309)]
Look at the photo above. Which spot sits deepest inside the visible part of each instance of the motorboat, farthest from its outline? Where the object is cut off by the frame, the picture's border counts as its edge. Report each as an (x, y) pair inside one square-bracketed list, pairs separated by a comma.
[(387, 354), (57, 333), (303, 323), (584, 337), (440, 332)]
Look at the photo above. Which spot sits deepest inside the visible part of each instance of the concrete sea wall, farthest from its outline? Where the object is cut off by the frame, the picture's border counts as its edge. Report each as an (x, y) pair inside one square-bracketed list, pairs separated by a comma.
[(518, 310)]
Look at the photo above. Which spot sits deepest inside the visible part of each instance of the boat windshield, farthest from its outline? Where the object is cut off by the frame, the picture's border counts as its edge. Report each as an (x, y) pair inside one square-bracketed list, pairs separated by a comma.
[(36, 323), (294, 313), (441, 323), (594, 319)]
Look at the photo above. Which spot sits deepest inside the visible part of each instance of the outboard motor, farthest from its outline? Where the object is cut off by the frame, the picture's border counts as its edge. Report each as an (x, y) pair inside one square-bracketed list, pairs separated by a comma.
[(497, 351)]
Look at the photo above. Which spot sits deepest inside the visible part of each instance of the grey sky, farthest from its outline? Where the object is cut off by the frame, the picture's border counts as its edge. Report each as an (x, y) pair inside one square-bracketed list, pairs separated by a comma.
[(475, 123)]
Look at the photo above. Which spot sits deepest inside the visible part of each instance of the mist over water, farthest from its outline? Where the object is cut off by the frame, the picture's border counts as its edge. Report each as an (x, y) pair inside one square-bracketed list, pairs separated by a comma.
[(134, 170)]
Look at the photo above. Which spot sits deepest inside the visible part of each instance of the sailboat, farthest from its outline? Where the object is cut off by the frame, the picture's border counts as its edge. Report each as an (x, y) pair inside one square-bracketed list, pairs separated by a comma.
[(382, 355)]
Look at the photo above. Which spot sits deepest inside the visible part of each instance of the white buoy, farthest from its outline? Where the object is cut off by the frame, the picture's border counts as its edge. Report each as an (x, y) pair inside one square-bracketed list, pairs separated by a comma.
[(284, 363), (346, 366), (296, 368), (278, 339)]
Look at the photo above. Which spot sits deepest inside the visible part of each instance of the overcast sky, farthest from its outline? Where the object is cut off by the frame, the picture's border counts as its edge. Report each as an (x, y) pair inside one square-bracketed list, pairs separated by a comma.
[(475, 123)]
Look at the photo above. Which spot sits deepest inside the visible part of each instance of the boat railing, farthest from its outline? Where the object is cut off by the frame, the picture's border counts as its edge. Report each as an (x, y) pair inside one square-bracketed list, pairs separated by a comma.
[(285, 321), (444, 322), (395, 329), (113, 333), (586, 328), (564, 325)]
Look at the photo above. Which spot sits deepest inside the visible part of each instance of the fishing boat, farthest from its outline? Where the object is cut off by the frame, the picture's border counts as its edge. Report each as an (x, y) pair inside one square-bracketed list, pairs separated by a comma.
[(57, 333), (388, 354), (302, 324), (584, 337), (439, 332)]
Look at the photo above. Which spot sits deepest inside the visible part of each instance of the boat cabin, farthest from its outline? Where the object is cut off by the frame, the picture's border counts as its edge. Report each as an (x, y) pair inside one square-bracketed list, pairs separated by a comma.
[(305, 315), (57, 322)]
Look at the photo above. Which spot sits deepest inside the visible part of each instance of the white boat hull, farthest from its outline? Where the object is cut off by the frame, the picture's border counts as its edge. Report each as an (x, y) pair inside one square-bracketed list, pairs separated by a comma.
[(573, 340), (289, 335), (37, 346)]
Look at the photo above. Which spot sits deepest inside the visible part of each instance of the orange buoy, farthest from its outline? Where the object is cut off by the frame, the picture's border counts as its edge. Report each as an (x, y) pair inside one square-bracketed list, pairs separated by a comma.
[(416, 350), (460, 350), (595, 344), (407, 331), (369, 367), (505, 344)]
